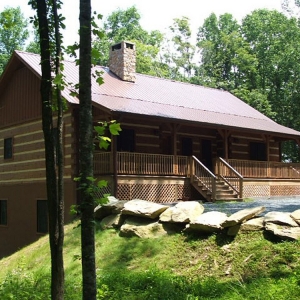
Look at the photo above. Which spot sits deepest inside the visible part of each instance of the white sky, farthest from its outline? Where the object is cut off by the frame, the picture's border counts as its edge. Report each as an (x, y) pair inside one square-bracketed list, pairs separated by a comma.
[(155, 14)]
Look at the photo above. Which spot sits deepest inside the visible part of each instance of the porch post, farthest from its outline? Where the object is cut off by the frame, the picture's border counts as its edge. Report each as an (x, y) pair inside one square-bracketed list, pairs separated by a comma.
[(174, 136), (268, 154), (114, 165), (226, 134)]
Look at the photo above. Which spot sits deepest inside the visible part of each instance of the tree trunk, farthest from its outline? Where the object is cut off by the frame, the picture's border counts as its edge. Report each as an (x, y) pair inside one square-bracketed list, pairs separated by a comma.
[(54, 209), (86, 155)]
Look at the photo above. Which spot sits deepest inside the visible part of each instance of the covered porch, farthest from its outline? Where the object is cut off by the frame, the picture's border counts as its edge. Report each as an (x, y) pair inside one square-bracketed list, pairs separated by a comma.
[(228, 179)]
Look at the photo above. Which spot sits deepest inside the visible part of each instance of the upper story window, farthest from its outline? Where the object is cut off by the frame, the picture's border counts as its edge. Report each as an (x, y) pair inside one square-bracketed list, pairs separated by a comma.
[(8, 148)]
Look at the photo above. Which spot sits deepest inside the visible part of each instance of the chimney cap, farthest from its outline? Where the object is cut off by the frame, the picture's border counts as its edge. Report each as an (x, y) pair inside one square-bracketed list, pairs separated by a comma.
[(123, 44)]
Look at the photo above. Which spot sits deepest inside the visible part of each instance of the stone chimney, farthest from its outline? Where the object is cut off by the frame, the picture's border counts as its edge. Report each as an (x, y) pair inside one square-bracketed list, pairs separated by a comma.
[(122, 58)]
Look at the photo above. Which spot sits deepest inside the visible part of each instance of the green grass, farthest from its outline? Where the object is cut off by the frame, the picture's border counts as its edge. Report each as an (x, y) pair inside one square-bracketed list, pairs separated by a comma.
[(250, 266)]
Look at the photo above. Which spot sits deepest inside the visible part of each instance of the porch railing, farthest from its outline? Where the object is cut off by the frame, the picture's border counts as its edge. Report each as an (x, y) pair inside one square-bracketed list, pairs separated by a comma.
[(265, 169), (204, 176), (130, 163), (230, 175)]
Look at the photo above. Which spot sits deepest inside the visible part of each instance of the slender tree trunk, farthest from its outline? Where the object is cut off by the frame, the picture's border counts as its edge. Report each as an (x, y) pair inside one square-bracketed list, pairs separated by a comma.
[(86, 155), (59, 240), (55, 238)]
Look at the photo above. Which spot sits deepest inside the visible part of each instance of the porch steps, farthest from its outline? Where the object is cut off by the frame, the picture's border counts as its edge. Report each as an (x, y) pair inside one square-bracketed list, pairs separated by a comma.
[(223, 191)]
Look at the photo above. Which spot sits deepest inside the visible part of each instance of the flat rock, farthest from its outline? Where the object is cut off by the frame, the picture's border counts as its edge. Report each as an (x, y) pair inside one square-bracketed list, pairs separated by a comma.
[(254, 224), (208, 222), (143, 208), (284, 232), (234, 230), (242, 216), (182, 212), (281, 218), (296, 216), (112, 221), (143, 228), (103, 210)]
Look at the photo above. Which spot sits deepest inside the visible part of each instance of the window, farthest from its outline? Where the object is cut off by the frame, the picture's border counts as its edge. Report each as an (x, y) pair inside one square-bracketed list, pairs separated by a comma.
[(258, 151), (42, 216), (8, 148), (126, 140), (3, 212), (186, 146)]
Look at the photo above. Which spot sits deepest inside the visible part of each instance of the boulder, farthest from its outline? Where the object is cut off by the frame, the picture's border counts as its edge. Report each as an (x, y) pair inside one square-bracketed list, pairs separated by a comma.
[(242, 216), (182, 212), (104, 210), (296, 216), (208, 222), (111, 221), (280, 218), (254, 224), (283, 232), (234, 230), (143, 208), (143, 228)]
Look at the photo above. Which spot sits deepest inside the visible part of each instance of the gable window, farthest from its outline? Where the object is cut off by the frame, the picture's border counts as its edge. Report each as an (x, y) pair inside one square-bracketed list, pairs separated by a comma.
[(3, 212), (42, 216), (8, 148), (258, 151)]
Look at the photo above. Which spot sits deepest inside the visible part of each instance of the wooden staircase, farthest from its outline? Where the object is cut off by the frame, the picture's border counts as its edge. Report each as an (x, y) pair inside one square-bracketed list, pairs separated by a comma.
[(225, 187), (223, 192)]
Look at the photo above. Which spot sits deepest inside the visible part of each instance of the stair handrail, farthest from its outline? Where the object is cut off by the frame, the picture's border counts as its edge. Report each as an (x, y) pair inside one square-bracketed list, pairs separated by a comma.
[(209, 180), (236, 185)]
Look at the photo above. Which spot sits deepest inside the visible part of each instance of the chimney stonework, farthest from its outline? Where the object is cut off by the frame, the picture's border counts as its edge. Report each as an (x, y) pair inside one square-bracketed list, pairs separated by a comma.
[(122, 60)]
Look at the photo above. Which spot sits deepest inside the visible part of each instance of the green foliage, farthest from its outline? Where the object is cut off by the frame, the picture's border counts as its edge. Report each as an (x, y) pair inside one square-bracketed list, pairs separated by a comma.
[(172, 267), (13, 33), (114, 129)]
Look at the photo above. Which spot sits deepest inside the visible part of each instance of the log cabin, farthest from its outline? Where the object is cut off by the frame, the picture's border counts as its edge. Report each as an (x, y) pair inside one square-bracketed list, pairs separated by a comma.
[(179, 141)]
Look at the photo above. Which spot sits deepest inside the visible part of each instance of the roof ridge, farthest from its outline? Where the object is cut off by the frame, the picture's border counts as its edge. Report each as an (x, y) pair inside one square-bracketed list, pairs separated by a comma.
[(182, 82)]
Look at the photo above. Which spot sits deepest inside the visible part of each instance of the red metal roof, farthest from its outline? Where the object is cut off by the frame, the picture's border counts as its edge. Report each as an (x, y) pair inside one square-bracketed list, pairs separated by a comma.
[(153, 96)]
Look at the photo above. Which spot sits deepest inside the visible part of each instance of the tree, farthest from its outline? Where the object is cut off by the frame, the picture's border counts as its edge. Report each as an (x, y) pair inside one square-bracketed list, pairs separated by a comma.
[(86, 154), (182, 58), (225, 56), (13, 33), (46, 20), (34, 45), (274, 41)]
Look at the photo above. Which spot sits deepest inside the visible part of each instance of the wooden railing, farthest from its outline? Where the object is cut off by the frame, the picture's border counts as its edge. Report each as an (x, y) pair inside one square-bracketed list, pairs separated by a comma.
[(230, 175), (103, 163), (265, 169), (204, 176), (129, 163)]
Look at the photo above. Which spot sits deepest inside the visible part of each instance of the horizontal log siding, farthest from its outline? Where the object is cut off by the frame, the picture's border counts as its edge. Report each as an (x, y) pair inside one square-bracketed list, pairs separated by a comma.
[(28, 162), (146, 135), (239, 146)]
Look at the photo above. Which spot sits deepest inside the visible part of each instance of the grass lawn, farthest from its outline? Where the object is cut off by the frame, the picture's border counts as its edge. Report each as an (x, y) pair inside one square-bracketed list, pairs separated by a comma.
[(249, 266)]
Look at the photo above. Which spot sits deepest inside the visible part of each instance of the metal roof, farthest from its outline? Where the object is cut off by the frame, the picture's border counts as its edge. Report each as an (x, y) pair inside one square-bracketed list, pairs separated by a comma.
[(158, 97)]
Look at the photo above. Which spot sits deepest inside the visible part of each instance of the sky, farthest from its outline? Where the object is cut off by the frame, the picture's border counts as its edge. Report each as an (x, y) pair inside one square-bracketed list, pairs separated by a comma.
[(155, 14)]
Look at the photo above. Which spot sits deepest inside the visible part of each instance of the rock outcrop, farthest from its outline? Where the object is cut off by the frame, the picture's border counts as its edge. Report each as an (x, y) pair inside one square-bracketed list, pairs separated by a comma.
[(147, 219)]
